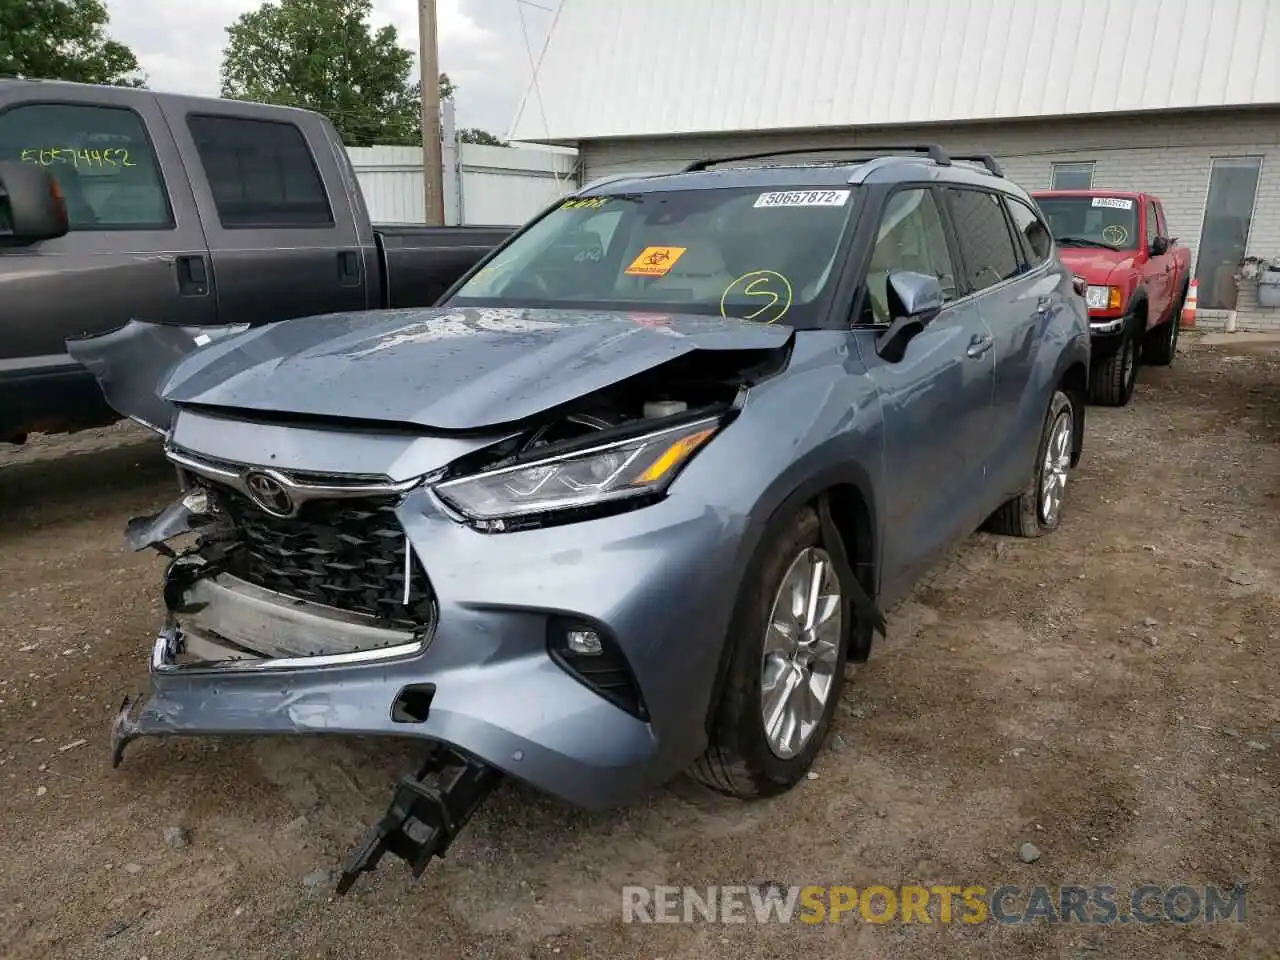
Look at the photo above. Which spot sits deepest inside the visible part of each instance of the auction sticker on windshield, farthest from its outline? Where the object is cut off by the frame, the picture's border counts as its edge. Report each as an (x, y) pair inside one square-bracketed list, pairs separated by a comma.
[(803, 198), (655, 261), (1119, 203)]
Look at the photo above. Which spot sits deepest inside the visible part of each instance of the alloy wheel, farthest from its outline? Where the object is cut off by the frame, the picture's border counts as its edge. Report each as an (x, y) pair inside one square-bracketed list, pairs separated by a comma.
[(1053, 472), (801, 650)]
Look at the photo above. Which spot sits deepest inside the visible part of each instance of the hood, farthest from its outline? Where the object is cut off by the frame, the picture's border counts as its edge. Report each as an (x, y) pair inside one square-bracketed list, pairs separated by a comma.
[(1093, 263), (448, 369)]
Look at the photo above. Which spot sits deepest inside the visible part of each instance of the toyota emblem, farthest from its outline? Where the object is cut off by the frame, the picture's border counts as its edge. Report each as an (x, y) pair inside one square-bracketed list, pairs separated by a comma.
[(269, 494)]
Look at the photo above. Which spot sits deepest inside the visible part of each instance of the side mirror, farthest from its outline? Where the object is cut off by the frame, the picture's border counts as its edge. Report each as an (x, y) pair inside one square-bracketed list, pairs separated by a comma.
[(31, 205), (1159, 246), (914, 300)]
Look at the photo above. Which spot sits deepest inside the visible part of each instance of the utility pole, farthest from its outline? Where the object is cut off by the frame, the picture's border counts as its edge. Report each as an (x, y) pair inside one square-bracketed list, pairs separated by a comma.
[(432, 163)]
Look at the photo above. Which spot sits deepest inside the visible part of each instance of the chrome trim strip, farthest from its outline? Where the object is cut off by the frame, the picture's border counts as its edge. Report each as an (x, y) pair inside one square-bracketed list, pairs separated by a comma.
[(299, 491), (160, 660)]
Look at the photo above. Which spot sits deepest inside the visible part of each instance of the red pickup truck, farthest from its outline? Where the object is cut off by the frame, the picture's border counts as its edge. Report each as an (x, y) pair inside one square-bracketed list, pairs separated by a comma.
[(1118, 242)]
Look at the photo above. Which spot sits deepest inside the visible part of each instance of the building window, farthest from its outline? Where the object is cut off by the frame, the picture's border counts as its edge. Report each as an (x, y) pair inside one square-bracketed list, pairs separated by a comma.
[(1228, 215), (1072, 176)]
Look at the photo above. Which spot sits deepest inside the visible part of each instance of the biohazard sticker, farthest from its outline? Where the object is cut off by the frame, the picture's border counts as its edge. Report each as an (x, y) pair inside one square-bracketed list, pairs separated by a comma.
[(803, 198), (655, 261), (1117, 203)]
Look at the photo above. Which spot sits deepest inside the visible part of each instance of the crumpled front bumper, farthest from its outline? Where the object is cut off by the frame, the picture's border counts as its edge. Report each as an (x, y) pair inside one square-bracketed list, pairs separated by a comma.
[(658, 580)]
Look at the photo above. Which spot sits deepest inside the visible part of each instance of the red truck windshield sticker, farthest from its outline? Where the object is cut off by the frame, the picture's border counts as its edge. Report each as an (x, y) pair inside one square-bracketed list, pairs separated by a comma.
[(1119, 203)]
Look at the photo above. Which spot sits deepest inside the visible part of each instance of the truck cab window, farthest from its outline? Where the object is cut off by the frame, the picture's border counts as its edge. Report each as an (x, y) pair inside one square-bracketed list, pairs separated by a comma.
[(101, 158), (910, 237), (261, 173), (985, 241)]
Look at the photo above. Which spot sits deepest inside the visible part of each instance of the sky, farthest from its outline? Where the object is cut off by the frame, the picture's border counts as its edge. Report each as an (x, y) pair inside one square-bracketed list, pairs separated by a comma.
[(481, 46)]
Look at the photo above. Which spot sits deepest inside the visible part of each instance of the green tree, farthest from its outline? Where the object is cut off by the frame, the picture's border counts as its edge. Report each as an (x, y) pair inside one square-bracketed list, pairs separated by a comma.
[(476, 135), (63, 40), (324, 55)]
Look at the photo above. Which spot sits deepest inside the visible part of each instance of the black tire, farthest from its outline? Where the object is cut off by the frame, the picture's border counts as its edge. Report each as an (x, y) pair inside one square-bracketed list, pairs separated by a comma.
[(1161, 350), (1023, 516), (1112, 380), (738, 760)]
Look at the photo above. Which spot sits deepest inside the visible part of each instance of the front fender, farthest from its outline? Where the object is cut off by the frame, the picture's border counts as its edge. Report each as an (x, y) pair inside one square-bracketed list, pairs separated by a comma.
[(132, 362)]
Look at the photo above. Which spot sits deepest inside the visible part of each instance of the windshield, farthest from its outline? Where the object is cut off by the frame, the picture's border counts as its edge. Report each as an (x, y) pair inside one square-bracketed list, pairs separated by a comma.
[(1092, 221), (763, 255)]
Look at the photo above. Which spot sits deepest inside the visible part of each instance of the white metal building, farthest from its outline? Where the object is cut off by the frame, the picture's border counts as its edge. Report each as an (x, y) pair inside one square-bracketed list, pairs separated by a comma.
[(1180, 98)]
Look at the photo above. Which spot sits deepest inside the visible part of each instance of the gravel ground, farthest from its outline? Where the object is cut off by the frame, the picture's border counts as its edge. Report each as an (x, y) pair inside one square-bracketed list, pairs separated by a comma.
[(1108, 694)]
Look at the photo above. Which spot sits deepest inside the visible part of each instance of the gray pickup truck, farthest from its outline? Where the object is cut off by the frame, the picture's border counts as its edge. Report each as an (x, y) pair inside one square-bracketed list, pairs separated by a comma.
[(119, 204)]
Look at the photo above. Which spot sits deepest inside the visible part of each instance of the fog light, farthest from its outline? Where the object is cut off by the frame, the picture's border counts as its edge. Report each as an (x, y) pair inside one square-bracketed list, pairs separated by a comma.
[(584, 642)]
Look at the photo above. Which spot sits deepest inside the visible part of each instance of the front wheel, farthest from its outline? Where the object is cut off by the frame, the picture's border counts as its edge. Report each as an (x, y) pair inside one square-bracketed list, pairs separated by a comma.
[(1111, 381), (1037, 510), (790, 642)]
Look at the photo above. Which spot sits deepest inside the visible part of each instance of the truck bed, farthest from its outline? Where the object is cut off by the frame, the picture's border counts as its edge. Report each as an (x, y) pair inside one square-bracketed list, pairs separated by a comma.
[(420, 263)]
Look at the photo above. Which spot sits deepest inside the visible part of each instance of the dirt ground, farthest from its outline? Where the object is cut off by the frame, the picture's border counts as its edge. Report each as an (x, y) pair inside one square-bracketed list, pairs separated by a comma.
[(1109, 694)]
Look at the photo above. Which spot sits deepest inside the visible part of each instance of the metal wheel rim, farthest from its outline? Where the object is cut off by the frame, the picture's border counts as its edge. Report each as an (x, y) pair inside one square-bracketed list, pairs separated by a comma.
[(1053, 472), (1130, 361), (801, 650)]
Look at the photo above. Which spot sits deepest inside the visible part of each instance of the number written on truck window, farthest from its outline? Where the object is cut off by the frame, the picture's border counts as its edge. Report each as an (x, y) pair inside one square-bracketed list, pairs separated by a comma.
[(261, 173), (985, 241), (101, 158)]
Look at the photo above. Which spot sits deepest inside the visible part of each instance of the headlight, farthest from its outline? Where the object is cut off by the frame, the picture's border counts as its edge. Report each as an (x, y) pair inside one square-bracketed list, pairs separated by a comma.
[(1103, 298), (581, 478)]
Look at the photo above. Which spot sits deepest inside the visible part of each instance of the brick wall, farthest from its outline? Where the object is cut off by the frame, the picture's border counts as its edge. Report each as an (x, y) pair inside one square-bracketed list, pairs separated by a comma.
[(1165, 154)]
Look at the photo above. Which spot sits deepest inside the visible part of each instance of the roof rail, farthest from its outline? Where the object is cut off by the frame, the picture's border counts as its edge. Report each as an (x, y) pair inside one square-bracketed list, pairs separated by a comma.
[(935, 152), (986, 159)]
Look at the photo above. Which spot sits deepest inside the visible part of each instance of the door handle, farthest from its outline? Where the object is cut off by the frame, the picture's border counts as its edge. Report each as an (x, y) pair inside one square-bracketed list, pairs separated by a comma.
[(979, 345), (193, 275), (348, 268)]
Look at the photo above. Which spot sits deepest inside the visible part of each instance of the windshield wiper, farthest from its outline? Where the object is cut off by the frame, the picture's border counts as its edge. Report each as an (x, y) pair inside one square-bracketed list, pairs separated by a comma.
[(1085, 242)]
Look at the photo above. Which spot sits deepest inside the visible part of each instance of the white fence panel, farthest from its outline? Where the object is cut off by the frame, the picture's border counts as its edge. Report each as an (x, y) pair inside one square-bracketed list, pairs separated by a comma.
[(497, 185)]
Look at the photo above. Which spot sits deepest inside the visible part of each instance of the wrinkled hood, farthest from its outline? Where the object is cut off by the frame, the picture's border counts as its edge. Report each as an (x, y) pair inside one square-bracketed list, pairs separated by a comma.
[(1093, 263), (450, 369)]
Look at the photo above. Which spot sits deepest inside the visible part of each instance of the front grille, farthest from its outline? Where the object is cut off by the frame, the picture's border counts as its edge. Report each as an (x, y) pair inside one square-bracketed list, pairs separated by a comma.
[(344, 553)]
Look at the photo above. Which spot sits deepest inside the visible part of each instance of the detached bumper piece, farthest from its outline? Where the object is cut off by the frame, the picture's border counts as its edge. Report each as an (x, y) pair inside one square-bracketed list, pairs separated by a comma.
[(429, 810)]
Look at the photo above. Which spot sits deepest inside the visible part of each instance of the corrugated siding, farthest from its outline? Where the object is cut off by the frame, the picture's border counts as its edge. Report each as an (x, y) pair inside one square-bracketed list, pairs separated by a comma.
[(616, 68), (1167, 156), (499, 185)]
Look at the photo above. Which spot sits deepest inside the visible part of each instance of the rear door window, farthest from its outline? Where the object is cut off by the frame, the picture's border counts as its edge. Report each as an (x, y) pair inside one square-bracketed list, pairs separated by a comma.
[(101, 159), (986, 245), (261, 173)]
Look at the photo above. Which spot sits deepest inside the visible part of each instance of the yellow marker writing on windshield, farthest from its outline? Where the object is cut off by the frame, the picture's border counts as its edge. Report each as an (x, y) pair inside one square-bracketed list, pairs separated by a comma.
[(770, 288)]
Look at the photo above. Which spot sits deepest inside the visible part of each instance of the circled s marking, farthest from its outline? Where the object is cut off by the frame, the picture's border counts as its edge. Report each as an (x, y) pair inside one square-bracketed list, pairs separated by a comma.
[(770, 288)]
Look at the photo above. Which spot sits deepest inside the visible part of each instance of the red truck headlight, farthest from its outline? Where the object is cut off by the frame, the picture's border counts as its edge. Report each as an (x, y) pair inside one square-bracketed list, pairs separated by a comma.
[(1098, 297)]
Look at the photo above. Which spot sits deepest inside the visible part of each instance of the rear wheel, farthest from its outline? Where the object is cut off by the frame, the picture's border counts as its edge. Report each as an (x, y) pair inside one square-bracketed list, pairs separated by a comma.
[(1111, 381), (1160, 351), (789, 636), (1038, 509)]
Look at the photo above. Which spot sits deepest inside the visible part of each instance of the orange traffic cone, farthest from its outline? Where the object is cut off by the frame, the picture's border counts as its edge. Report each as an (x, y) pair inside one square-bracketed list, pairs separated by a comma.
[(1189, 307)]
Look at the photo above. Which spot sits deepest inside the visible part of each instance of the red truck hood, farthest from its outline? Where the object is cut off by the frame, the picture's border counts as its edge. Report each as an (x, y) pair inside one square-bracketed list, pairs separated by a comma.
[(1093, 263)]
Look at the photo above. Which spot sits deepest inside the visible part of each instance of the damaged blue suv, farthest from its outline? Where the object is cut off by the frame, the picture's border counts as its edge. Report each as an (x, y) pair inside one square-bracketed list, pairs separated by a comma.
[(628, 499)]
